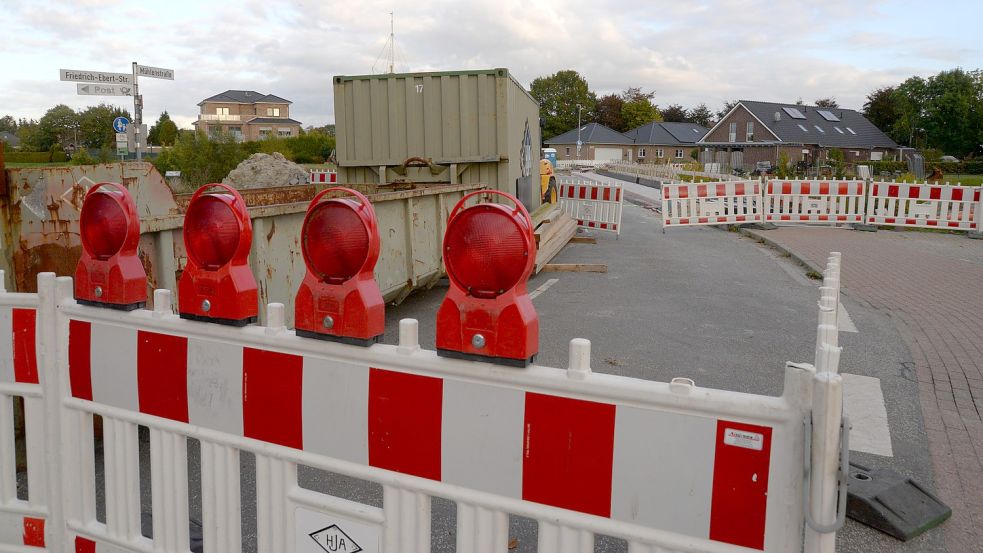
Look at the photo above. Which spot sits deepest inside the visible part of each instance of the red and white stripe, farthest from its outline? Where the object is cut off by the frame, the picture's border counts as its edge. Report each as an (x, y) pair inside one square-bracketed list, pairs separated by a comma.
[(815, 201), (711, 203), (17, 529), (925, 205), (85, 545), (18, 345), (593, 457), (593, 204), (320, 177)]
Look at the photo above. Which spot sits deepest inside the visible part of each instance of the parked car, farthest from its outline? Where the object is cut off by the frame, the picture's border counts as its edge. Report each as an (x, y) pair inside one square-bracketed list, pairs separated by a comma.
[(949, 159)]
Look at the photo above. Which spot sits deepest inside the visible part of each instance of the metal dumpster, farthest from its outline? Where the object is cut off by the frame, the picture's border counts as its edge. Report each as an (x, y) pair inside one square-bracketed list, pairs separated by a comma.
[(457, 127), (39, 211)]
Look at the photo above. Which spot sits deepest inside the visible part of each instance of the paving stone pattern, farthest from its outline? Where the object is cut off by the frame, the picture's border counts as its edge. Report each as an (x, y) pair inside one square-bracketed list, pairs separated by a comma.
[(931, 285)]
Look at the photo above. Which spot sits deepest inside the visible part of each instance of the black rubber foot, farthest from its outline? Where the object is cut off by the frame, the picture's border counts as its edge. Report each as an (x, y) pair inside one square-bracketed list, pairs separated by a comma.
[(975, 235), (364, 342), (892, 503), (507, 361), (116, 306), (865, 228), (216, 320)]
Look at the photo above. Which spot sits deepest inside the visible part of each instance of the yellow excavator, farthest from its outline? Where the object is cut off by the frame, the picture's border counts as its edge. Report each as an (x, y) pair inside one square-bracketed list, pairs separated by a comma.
[(547, 181)]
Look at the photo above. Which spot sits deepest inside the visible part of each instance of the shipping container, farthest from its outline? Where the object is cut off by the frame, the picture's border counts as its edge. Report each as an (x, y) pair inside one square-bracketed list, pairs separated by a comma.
[(458, 127)]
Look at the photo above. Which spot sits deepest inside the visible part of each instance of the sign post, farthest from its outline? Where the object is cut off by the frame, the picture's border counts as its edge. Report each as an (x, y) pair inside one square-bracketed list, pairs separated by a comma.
[(100, 83)]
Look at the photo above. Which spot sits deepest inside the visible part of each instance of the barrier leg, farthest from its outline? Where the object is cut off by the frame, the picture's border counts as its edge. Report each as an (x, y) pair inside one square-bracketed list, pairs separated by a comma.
[(824, 470)]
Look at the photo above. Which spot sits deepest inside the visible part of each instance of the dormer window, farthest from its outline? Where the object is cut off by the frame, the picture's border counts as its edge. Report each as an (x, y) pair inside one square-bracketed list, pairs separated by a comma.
[(273, 112)]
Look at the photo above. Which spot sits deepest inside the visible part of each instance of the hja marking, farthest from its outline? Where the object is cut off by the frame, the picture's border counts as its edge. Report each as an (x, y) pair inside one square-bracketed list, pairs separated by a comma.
[(334, 540)]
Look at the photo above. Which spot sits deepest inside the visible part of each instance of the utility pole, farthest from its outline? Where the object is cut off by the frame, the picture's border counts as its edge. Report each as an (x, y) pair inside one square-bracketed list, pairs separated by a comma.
[(392, 42), (580, 108)]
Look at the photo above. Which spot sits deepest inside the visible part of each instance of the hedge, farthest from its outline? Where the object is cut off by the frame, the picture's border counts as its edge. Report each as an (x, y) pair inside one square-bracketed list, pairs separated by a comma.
[(950, 168), (28, 157)]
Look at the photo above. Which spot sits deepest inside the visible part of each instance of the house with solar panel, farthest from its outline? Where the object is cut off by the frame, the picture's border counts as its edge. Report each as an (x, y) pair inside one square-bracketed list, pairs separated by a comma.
[(753, 132), (660, 142)]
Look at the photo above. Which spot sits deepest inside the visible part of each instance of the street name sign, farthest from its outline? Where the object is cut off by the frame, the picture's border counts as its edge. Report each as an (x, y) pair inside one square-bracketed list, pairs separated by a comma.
[(104, 90), (98, 77), (155, 72)]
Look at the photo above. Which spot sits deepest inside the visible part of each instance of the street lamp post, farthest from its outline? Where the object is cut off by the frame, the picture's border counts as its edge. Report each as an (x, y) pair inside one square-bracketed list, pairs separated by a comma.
[(580, 108)]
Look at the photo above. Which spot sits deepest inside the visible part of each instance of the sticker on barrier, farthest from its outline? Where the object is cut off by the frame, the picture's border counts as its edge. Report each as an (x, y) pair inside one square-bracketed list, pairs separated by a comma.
[(713, 203), (925, 205), (593, 204), (814, 201)]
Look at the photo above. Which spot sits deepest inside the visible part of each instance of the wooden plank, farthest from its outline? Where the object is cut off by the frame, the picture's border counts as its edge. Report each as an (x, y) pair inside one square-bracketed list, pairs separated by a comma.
[(575, 268), (583, 240)]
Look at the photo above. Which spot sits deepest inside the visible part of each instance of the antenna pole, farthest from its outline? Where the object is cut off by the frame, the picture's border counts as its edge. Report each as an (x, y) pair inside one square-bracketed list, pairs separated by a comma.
[(392, 42)]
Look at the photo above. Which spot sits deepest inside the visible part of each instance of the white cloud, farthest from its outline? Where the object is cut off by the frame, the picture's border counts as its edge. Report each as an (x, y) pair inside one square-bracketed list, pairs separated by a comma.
[(688, 52)]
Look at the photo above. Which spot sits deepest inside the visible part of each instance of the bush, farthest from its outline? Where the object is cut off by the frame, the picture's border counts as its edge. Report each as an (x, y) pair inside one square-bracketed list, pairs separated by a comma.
[(58, 153), (201, 159), (27, 157), (82, 157)]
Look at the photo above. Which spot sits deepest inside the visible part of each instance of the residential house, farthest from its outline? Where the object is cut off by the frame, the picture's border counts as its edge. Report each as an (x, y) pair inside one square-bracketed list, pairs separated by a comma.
[(247, 115), (598, 143), (666, 142), (763, 131), (10, 139)]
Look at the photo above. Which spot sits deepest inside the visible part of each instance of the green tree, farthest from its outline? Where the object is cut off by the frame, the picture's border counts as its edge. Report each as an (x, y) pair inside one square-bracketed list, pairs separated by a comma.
[(200, 158), (60, 125), (675, 113), (953, 115), (559, 96), (30, 135), (96, 125), (701, 115), (639, 109), (8, 124), (828, 103), (881, 108), (609, 112), (910, 97), (164, 131)]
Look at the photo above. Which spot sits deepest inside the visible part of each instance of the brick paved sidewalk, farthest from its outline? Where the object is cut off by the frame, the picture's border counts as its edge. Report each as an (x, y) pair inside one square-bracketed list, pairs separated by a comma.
[(932, 287)]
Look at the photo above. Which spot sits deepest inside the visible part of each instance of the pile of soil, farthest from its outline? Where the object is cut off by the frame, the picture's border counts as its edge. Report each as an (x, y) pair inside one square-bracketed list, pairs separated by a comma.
[(265, 171)]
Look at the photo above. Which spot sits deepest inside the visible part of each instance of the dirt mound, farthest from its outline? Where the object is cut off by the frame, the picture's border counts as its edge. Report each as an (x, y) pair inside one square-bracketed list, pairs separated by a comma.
[(265, 171)]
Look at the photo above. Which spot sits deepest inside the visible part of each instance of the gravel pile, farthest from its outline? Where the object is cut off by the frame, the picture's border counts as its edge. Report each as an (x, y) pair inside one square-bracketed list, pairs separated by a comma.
[(265, 171)]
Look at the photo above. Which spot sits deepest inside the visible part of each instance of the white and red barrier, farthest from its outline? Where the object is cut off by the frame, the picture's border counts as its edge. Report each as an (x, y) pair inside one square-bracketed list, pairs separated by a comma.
[(925, 205), (714, 203), (321, 176), (665, 466), (593, 204), (815, 201)]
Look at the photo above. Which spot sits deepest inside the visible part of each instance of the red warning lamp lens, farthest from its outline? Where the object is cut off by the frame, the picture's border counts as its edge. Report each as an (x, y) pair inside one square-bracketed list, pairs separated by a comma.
[(104, 225), (213, 231), (336, 242), (485, 251)]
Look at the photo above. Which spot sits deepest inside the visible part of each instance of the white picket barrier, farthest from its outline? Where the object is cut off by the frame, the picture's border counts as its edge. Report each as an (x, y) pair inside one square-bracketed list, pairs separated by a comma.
[(321, 176), (815, 201), (593, 204), (925, 205), (714, 203), (665, 466)]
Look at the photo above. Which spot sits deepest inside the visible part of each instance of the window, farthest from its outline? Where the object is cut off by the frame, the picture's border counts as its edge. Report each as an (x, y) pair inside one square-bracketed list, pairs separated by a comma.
[(641, 152), (273, 112), (828, 115), (850, 130), (660, 153), (839, 130), (265, 131), (749, 135), (568, 151), (876, 156), (222, 111), (820, 129), (803, 128), (732, 135), (283, 131), (856, 153), (794, 113), (679, 154)]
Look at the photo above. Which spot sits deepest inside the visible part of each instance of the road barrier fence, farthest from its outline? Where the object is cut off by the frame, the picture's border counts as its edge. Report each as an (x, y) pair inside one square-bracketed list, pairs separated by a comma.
[(664, 466), (593, 204), (711, 203)]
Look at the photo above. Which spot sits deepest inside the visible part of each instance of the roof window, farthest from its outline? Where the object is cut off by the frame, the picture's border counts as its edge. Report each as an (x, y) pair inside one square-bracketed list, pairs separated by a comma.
[(801, 126)]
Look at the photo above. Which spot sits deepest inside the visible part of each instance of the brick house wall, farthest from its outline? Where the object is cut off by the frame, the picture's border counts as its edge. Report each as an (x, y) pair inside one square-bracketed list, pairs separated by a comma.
[(741, 116)]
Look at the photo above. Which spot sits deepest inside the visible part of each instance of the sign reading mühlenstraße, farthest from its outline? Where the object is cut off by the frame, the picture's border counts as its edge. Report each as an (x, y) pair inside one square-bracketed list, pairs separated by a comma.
[(155, 72), (99, 77)]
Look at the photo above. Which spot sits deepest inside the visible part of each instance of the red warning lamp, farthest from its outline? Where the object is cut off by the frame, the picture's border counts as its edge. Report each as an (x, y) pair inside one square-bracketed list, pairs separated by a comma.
[(109, 273), (489, 252), (339, 299), (217, 284)]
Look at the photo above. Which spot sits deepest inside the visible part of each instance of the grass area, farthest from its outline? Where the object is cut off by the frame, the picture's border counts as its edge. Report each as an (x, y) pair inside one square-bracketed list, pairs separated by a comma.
[(13, 165), (965, 180), (320, 166)]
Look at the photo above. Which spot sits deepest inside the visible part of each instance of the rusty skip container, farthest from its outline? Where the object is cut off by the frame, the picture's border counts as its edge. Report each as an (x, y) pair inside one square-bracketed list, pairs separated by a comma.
[(457, 127)]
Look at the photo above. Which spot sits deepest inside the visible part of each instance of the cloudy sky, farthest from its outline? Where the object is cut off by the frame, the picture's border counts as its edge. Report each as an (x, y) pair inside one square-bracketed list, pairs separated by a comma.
[(688, 51)]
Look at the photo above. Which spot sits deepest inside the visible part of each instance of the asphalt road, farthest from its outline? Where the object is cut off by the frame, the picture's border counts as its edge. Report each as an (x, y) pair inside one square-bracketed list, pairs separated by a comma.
[(702, 303)]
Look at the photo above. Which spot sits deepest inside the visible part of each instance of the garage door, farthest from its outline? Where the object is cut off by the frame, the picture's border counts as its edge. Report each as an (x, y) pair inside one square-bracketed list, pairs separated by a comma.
[(607, 154)]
